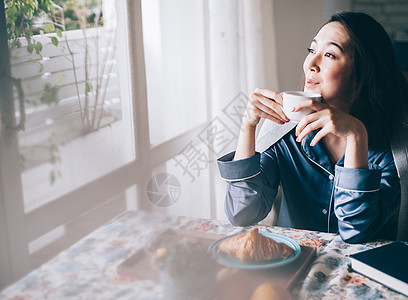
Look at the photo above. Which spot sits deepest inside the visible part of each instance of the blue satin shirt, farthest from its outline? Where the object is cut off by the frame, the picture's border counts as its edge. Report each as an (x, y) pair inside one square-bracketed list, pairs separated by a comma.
[(359, 204)]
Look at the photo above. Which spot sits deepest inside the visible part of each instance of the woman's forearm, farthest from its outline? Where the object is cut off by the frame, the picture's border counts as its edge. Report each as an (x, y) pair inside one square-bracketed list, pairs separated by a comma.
[(246, 142), (356, 154)]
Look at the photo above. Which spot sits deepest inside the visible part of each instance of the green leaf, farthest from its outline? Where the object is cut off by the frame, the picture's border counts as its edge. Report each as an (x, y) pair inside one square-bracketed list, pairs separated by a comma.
[(88, 87), (49, 27), (52, 177), (59, 32), (22, 161), (38, 47), (12, 11), (54, 41), (30, 48), (41, 69), (50, 94)]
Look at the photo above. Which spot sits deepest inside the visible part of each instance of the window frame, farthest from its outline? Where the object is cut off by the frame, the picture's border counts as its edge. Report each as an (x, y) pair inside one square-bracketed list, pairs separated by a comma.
[(21, 228)]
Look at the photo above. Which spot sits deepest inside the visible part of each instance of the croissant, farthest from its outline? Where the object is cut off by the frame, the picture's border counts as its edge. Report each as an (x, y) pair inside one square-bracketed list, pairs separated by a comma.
[(253, 247)]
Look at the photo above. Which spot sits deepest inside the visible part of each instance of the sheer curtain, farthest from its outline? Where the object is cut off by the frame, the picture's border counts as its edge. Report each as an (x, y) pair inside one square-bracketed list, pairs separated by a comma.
[(203, 59), (241, 48), (242, 57)]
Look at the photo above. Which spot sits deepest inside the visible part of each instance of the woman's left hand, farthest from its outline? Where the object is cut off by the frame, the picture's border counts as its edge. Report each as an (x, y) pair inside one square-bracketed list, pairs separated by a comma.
[(330, 120)]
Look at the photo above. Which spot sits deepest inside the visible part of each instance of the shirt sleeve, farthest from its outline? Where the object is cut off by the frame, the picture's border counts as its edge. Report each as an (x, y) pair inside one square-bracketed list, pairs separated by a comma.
[(249, 195), (365, 200)]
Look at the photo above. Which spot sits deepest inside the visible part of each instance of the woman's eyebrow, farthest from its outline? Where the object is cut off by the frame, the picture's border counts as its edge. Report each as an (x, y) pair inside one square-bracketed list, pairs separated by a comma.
[(337, 45), (330, 43)]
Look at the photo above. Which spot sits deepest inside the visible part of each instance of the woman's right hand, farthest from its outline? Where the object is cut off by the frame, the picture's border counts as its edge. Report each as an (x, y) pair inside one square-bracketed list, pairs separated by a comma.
[(264, 103)]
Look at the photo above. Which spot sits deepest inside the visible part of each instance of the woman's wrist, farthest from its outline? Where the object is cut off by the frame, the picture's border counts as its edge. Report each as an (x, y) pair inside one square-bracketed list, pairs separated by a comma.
[(358, 135), (249, 123), (248, 127), (246, 142), (356, 154)]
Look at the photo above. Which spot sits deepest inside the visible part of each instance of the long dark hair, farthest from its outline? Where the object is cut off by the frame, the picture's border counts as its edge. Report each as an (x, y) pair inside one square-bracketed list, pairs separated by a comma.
[(380, 92)]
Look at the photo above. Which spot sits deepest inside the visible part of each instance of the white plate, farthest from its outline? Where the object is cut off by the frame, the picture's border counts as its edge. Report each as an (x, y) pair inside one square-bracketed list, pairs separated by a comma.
[(233, 262)]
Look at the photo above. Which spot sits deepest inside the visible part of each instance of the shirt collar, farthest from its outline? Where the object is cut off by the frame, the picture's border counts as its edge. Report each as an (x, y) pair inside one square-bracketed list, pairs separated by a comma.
[(318, 153)]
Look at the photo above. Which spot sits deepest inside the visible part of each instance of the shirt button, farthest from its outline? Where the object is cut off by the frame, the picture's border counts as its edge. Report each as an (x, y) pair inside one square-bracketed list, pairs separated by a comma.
[(324, 211), (331, 177)]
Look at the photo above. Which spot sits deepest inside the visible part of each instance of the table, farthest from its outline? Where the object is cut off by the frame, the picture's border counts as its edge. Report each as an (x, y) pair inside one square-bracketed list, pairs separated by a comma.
[(88, 269)]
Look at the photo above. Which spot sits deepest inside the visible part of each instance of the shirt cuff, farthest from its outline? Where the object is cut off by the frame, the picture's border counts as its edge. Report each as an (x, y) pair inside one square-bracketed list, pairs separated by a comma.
[(358, 180), (237, 170)]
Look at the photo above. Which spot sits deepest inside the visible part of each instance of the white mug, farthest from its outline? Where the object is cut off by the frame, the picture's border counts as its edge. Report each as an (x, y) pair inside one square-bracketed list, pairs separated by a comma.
[(293, 98)]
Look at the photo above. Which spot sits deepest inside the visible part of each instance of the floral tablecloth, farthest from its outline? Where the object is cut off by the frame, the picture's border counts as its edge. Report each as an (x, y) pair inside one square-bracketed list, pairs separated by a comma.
[(88, 269)]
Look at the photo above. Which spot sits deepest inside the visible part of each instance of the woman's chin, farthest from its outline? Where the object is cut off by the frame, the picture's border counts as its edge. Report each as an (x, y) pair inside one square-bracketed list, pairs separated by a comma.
[(310, 89)]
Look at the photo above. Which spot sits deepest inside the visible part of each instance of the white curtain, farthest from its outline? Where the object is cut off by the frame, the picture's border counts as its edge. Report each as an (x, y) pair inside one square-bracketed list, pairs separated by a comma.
[(242, 51), (203, 59), (242, 57)]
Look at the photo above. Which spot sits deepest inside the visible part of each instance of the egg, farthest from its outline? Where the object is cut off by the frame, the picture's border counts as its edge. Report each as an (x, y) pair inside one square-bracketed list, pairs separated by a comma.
[(233, 284), (268, 291)]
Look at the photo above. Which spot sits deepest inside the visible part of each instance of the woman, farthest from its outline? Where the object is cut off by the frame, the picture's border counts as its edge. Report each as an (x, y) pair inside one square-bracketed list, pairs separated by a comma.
[(335, 167)]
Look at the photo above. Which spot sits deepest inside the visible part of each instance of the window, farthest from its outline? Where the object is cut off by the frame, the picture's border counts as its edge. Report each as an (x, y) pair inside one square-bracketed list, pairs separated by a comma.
[(174, 39), (175, 55), (74, 166), (77, 127)]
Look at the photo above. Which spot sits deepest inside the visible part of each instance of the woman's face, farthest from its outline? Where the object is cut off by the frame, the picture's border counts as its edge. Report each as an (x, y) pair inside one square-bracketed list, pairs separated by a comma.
[(328, 65)]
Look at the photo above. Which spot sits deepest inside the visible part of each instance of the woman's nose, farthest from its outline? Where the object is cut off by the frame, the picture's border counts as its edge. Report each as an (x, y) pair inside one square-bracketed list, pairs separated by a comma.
[(314, 64)]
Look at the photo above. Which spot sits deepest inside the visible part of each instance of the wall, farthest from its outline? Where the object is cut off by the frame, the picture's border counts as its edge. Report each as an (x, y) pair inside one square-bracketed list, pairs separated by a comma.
[(392, 14), (296, 23)]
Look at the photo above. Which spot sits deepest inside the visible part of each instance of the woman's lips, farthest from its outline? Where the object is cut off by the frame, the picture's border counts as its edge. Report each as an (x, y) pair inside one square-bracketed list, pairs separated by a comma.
[(311, 83)]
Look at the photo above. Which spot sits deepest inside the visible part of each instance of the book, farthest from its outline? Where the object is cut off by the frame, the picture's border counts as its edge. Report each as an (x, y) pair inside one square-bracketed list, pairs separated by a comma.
[(386, 264)]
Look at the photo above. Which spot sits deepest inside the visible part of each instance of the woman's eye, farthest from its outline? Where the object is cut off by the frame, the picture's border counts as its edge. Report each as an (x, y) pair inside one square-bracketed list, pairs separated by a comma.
[(330, 55), (310, 50)]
